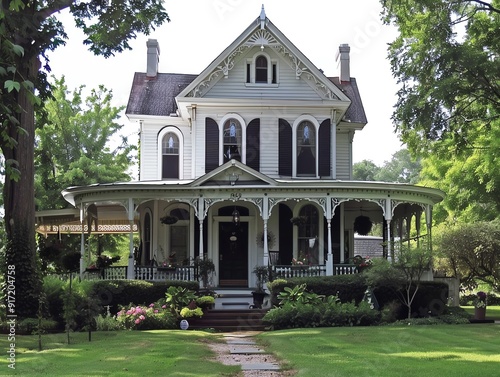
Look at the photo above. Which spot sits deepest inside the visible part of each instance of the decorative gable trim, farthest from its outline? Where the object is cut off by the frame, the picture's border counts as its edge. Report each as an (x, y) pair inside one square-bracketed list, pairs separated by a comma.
[(263, 35)]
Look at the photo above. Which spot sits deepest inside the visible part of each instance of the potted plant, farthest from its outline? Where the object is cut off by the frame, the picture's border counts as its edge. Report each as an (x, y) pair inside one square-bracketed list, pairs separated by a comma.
[(480, 306), (262, 274), (205, 267), (168, 220)]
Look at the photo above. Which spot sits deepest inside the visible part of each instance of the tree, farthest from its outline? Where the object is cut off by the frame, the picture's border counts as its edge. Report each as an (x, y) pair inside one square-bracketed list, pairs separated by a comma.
[(446, 60), (471, 252), (365, 170), (402, 168), (28, 29), (72, 145)]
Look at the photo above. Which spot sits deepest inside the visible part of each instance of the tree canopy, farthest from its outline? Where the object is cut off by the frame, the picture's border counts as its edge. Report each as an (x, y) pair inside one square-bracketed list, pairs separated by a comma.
[(446, 60), (73, 144), (28, 30)]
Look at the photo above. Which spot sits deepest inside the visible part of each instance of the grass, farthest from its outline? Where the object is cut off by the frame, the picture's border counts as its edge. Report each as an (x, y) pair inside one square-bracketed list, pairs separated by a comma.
[(124, 353), (389, 351)]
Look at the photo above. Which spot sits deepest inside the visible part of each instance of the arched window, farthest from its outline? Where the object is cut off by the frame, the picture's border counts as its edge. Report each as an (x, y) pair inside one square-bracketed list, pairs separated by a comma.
[(261, 69), (306, 149), (308, 234), (170, 150), (178, 237), (232, 137)]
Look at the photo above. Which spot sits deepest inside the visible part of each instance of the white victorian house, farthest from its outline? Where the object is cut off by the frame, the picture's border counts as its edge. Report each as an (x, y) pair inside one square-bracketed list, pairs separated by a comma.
[(249, 163)]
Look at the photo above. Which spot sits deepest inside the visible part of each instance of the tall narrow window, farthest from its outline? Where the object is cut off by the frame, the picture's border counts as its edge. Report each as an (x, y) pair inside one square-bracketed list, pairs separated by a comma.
[(170, 156), (306, 149), (308, 234), (232, 140), (261, 69)]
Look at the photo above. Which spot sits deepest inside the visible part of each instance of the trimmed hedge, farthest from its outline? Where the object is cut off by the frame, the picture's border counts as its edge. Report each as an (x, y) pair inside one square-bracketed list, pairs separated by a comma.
[(430, 299), (116, 293)]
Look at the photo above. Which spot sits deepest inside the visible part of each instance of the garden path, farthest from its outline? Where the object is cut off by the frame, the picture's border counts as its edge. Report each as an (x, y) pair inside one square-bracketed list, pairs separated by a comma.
[(239, 348)]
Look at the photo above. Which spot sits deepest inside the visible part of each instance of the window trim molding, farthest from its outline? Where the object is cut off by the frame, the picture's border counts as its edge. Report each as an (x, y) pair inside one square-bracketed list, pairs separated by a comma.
[(243, 125), (270, 63), (296, 123), (159, 141)]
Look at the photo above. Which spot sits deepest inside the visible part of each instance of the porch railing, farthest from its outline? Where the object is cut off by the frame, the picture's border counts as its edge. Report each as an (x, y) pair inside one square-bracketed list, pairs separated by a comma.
[(345, 269), (287, 271), (154, 273)]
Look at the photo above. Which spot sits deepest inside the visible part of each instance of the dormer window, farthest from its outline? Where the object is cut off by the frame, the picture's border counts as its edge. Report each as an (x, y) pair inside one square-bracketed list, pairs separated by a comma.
[(261, 69)]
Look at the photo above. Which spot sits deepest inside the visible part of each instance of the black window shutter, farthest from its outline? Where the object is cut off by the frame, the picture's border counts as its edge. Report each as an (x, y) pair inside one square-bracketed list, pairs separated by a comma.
[(285, 148), (253, 144), (324, 148), (211, 145)]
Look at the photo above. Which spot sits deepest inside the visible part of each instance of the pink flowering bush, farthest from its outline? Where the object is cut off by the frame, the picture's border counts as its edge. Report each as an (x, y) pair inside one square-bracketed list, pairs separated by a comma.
[(154, 316)]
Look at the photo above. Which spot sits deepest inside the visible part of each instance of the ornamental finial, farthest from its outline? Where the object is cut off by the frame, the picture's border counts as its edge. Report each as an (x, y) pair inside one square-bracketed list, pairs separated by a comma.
[(262, 17)]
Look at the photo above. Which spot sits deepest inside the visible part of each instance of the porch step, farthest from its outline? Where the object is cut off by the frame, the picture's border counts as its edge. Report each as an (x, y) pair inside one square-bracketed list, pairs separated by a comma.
[(230, 320), (236, 298)]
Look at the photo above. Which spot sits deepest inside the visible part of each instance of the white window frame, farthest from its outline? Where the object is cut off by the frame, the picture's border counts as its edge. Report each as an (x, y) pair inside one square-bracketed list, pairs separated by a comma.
[(270, 63), (296, 123), (180, 137), (243, 125)]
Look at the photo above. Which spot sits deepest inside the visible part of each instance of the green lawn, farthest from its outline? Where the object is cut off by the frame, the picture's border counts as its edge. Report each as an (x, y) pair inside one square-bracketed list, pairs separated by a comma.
[(441, 350), (389, 351), (124, 353)]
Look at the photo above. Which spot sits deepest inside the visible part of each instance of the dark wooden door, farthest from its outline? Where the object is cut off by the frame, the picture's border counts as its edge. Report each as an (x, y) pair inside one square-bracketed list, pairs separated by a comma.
[(233, 254)]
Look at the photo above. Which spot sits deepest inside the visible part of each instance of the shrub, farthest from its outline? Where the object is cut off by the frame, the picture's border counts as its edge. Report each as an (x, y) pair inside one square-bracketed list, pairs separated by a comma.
[(188, 313), (147, 318), (107, 323), (117, 293), (327, 313), (29, 326)]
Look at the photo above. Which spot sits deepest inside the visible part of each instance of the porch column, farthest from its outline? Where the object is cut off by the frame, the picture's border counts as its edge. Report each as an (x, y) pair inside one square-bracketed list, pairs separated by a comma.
[(329, 258), (342, 232), (201, 216), (130, 269), (82, 242), (388, 218), (265, 214), (428, 222)]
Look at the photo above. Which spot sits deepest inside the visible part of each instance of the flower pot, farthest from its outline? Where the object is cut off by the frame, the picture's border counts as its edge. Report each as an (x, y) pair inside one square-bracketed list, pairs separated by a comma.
[(480, 313), (258, 299)]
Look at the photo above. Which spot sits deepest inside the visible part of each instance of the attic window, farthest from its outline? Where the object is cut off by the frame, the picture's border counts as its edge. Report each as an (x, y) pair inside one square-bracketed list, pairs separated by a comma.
[(261, 69)]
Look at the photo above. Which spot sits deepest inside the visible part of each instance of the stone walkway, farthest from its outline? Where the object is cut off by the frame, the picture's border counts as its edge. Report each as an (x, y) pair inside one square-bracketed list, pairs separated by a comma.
[(240, 348)]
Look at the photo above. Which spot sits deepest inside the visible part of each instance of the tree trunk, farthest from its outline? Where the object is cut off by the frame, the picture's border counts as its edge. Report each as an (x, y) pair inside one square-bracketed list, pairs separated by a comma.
[(19, 201)]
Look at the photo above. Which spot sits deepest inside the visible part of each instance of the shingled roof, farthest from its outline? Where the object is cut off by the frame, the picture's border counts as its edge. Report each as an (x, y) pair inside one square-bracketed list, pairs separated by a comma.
[(356, 112), (156, 96)]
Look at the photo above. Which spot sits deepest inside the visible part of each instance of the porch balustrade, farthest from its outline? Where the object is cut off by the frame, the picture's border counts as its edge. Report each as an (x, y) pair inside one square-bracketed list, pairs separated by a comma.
[(345, 269), (287, 271), (154, 273)]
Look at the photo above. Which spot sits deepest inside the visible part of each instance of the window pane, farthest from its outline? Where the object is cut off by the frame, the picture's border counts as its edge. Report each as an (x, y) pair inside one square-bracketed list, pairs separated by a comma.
[(232, 140), (306, 149), (170, 144), (261, 70)]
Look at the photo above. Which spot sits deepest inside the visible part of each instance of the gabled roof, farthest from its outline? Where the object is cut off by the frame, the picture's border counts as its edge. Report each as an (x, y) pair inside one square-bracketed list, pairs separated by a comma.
[(262, 32), (241, 173), (170, 93)]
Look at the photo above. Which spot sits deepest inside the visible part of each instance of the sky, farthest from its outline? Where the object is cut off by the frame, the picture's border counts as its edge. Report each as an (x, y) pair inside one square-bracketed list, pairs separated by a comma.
[(200, 30)]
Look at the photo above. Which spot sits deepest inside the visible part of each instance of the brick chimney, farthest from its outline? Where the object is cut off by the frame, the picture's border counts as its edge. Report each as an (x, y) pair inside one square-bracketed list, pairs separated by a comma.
[(153, 57), (342, 59)]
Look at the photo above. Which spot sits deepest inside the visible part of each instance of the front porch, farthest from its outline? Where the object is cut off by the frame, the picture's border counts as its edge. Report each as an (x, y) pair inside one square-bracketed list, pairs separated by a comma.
[(189, 273)]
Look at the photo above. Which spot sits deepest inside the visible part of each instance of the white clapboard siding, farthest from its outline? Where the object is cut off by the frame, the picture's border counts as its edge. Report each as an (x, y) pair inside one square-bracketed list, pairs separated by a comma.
[(343, 156), (149, 152)]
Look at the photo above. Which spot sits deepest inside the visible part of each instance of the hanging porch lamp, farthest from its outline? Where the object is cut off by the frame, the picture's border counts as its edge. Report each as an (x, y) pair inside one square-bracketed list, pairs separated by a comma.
[(236, 216)]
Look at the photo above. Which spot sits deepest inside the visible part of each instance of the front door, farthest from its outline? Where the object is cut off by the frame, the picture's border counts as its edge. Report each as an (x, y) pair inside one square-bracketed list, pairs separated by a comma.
[(233, 254)]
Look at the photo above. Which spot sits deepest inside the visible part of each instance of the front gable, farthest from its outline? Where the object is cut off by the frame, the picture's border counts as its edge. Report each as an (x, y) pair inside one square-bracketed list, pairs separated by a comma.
[(234, 173), (233, 73)]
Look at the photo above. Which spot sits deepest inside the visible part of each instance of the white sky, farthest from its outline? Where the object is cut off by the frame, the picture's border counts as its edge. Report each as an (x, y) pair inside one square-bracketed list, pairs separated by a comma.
[(201, 29)]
